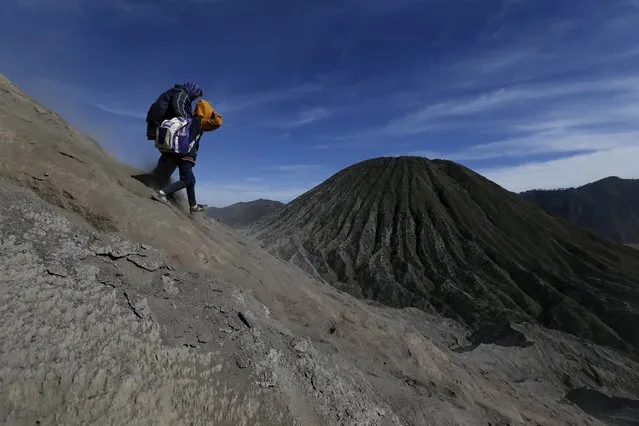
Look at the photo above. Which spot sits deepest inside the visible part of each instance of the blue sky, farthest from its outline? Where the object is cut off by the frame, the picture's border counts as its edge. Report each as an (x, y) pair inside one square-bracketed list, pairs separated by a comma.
[(530, 93)]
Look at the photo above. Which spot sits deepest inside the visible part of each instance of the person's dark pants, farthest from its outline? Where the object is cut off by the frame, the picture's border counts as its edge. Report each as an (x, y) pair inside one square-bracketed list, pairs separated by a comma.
[(187, 180), (164, 169)]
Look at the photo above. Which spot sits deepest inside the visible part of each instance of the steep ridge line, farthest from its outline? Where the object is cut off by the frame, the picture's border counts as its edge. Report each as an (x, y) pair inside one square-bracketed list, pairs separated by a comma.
[(433, 234)]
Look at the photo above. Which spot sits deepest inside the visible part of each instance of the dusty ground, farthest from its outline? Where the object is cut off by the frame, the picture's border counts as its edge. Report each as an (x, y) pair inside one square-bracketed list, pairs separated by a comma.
[(109, 316)]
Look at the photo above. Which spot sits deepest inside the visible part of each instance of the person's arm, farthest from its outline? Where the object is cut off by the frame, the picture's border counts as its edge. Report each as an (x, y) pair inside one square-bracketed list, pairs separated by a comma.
[(209, 124), (181, 102)]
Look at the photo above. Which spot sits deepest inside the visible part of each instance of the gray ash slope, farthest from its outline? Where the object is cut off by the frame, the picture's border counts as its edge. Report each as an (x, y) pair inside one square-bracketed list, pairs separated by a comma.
[(110, 316), (96, 329), (243, 214), (608, 207), (435, 235)]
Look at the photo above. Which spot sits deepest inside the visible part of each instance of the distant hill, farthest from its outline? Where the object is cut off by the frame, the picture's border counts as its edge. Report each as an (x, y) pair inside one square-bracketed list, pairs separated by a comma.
[(434, 235), (608, 207), (240, 215)]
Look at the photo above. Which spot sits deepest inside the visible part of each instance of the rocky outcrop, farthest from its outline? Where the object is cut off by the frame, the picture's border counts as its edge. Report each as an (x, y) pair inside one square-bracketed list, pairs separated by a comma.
[(434, 235)]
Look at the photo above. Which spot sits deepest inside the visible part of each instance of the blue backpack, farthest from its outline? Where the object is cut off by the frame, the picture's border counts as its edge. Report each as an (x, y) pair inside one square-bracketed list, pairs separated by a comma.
[(174, 136)]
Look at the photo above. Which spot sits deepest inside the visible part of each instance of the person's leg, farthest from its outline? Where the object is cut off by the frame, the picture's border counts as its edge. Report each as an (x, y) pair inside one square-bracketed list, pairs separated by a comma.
[(172, 188), (164, 169), (171, 163), (188, 178)]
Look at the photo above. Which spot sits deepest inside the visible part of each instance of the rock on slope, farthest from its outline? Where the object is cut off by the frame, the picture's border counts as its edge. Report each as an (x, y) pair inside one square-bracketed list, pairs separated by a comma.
[(435, 235), (240, 215), (104, 320), (608, 207)]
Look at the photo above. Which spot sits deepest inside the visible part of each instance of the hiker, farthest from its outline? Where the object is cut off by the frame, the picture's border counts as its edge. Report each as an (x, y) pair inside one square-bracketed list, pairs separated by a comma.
[(204, 119), (175, 102)]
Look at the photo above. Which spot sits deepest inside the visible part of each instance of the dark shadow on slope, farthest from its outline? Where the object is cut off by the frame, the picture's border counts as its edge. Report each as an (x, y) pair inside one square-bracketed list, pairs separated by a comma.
[(154, 181), (500, 335), (610, 410)]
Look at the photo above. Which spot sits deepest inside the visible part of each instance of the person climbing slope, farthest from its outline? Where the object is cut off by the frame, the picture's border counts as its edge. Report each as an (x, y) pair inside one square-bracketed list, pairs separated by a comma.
[(179, 141), (175, 102)]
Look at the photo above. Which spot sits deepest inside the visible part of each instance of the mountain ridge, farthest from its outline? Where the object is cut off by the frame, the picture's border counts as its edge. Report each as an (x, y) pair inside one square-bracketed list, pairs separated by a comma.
[(608, 207), (245, 213), (404, 212)]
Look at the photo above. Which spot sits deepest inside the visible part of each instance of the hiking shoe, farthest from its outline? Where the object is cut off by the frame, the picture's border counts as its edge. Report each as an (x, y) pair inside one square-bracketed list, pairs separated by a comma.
[(160, 196), (198, 208)]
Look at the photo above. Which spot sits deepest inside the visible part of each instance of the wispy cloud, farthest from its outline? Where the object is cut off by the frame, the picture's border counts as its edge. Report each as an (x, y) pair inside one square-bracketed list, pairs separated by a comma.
[(567, 142), (521, 80), (566, 172), (597, 115), (515, 115), (303, 118), (240, 102), (120, 111), (512, 99), (501, 59)]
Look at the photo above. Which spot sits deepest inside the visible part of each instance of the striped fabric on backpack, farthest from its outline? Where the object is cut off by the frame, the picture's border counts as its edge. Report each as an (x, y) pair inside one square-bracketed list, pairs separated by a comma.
[(174, 136)]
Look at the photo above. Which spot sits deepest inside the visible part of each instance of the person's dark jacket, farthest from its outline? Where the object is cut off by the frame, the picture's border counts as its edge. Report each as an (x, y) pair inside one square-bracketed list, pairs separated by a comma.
[(175, 102)]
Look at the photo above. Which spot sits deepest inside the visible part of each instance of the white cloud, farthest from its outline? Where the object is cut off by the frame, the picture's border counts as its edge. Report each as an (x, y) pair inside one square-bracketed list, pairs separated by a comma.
[(518, 99), (312, 115), (567, 172), (603, 122), (120, 111), (514, 70), (546, 142), (240, 102), (502, 59), (511, 51), (303, 118), (599, 119)]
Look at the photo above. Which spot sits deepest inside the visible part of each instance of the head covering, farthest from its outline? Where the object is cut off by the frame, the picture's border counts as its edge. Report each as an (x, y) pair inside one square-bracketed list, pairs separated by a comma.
[(193, 89)]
